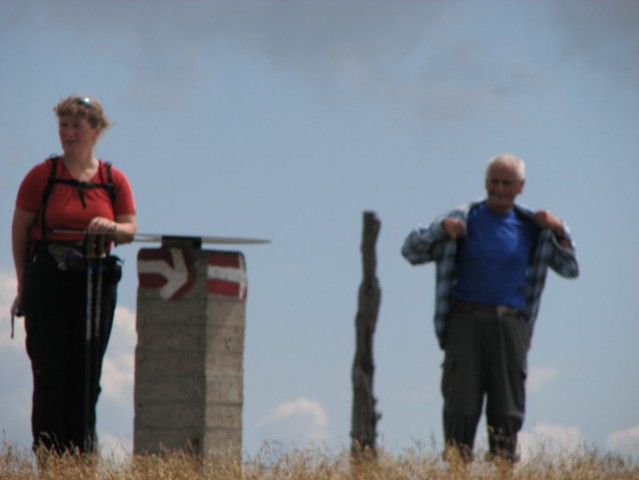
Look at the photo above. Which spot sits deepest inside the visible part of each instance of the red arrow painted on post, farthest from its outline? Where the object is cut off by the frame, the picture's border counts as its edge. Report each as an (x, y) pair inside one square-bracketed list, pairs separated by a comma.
[(167, 270)]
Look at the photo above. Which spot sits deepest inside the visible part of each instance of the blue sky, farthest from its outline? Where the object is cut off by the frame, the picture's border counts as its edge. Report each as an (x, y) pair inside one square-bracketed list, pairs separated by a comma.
[(288, 120)]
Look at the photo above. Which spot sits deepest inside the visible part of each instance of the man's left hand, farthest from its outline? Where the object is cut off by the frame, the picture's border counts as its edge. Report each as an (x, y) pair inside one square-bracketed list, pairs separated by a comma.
[(546, 219)]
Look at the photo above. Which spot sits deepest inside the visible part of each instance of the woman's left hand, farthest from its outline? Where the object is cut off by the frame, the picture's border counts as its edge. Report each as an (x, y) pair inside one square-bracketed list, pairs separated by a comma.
[(102, 225), (122, 230)]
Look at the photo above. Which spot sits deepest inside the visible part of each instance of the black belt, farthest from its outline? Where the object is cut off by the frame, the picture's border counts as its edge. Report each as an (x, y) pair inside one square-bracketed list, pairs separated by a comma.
[(68, 256), (70, 243)]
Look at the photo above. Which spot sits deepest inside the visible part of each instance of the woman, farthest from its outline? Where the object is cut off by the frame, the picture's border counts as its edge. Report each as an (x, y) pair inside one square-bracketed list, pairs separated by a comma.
[(69, 210)]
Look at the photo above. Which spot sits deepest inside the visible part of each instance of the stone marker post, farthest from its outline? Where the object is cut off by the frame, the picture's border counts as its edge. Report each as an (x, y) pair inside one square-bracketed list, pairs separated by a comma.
[(189, 355)]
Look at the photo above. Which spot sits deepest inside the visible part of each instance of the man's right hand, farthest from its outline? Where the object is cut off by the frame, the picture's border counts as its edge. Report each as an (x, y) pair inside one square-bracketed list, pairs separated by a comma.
[(454, 228)]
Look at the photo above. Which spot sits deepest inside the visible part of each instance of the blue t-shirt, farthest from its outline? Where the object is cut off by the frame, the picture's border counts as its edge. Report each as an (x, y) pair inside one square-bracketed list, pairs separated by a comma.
[(493, 258)]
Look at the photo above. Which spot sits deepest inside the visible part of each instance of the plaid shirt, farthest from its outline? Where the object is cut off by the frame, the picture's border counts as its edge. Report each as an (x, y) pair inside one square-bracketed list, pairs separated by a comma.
[(426, 244)]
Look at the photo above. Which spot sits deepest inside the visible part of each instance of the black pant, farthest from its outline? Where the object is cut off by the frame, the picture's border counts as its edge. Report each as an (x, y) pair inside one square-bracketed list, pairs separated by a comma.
[(486, 356), (65, 386)]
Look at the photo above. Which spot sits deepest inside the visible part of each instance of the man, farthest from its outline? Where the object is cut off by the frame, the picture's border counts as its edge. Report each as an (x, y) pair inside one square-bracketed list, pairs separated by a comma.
[(491, 261)]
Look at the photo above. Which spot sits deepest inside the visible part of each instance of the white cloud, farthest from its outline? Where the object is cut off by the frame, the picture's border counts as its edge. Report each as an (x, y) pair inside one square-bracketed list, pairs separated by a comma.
[(15, 372), (538, 377), (297, 422), (7, 295), (549, 438), (625, 441), (115, 450), (119, 361), (115, 408)]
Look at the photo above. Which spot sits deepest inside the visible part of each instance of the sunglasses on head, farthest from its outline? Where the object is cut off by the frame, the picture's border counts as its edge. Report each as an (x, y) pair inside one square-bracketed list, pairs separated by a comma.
[(84, 101)]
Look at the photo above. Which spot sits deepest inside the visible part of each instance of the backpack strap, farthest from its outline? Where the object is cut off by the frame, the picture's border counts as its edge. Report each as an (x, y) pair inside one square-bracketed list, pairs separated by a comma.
[(109, 186), (45, 196)]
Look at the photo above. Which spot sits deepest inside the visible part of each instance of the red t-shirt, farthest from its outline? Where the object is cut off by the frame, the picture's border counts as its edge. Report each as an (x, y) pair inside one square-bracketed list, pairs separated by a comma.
[(65, 210)]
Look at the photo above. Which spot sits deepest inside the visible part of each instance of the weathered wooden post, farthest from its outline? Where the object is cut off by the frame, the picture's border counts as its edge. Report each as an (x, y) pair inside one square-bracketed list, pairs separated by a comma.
[(189, 356), (364, 416)]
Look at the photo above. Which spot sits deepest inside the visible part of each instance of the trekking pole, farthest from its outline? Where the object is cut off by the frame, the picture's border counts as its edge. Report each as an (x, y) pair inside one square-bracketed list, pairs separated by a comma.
[(88, 335), (96, 343)]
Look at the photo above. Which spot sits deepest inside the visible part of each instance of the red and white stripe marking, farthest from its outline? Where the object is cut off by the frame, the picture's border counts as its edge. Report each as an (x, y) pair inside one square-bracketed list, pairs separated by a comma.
[(226, 274)]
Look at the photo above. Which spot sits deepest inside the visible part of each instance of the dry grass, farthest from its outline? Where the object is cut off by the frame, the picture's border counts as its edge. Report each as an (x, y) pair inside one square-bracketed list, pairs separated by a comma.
[(311, 464)]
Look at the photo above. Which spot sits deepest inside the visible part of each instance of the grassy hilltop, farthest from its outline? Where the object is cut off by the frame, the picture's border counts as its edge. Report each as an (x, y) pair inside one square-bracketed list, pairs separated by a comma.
[(312, 464)]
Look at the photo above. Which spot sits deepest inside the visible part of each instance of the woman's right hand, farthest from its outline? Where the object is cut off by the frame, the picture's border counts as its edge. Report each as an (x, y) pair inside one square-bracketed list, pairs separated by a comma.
[(16, 311), (16, 308)]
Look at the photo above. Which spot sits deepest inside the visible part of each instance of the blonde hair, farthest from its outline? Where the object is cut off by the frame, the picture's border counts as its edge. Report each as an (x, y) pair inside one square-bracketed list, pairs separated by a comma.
[(509, 160), (85, 107)]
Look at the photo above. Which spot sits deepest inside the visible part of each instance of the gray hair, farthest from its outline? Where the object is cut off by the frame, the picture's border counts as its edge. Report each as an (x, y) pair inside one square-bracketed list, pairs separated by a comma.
[(509, 160)]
